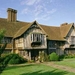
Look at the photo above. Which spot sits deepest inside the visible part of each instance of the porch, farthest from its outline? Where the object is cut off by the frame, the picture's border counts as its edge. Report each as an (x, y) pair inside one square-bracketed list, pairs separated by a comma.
[(33, 54)]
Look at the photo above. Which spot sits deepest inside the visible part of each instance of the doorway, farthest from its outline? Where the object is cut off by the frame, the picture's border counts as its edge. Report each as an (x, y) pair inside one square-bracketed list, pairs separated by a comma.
[(34, 55)]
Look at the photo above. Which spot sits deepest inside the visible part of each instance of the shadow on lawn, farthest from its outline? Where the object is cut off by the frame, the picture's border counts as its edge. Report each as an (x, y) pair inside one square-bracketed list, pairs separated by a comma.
[(19, 66), (40, 72), (53, 72)]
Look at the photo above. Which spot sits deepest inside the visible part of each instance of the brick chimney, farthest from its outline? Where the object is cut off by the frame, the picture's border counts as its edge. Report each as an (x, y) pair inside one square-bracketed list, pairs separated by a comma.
[(12, 15)]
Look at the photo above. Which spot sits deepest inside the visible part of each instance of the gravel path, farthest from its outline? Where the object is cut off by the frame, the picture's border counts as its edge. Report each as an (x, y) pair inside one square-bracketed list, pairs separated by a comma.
[(65, 68)]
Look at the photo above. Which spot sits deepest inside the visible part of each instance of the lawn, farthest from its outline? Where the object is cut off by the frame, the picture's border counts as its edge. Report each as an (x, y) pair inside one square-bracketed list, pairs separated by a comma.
[(67, 62), (34, 69)]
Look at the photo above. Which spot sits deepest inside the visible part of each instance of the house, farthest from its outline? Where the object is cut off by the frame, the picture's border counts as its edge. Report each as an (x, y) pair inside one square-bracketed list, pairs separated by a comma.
[(29, 39)]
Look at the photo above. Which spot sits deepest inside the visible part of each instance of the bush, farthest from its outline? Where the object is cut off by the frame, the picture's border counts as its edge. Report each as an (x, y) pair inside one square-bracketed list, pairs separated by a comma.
[(61, 57), (7, 58), (53, 57), (31, 61), (14, 59), (41, 57), (46, 57), (70, 56)]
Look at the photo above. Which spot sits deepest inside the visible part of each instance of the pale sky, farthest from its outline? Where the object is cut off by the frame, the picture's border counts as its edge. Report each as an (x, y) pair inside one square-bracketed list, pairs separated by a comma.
[(47, 12)]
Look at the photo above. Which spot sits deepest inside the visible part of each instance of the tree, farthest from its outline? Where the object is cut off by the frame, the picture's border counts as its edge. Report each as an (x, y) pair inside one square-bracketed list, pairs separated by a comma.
[(2, 48)]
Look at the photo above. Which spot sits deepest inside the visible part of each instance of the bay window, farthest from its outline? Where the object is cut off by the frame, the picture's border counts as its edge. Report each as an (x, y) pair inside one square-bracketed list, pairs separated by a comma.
[(37, 38)]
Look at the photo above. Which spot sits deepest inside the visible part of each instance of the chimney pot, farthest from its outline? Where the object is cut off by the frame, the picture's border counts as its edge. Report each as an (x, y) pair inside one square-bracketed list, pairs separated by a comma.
[(12, 15)]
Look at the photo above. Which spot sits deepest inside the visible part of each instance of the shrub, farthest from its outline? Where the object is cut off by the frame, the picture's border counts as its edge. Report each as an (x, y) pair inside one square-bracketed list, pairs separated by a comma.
[(46, 57), (53, 57), (14, 59), (31, 61), (7, 58), (61, 57), (70, 56), (41, 57)]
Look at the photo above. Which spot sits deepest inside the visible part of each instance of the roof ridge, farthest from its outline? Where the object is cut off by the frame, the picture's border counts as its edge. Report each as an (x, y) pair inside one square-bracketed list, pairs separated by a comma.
[(49, 26), (22, 28)]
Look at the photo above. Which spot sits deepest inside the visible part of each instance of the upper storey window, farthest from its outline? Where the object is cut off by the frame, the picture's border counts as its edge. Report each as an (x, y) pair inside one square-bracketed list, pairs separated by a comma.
[(37, 38), (72, 40), (6, 40)]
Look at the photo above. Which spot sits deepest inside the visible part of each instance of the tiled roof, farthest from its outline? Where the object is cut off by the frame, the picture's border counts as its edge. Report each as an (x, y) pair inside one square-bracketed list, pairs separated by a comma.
[(65, 29), (53, 32), (16, 29), (11, 27)]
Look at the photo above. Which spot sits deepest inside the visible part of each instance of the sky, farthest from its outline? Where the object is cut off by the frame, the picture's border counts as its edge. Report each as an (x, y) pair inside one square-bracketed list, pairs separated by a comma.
[(47, 12)]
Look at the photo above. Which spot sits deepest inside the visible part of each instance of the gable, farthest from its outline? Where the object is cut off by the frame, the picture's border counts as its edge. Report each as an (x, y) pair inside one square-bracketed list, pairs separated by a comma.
[(71, 32), (65, 29), (33, 25)]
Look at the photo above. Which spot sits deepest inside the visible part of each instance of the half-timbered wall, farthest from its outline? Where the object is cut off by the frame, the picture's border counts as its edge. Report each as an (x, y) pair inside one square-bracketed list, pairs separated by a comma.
[(69, 39), (19, 44), (26, 40)]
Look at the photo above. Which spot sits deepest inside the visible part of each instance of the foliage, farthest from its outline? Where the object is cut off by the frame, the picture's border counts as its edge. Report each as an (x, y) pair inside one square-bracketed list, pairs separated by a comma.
[(7, 58), (2, 31), (46, 57), (14, 59), (2, 48), (69, 56), (31, 61), (53, 57), (61, 57), (43, 57)]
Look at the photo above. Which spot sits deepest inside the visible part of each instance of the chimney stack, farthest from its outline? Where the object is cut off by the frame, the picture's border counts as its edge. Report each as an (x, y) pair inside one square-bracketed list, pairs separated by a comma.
[(12, 15)]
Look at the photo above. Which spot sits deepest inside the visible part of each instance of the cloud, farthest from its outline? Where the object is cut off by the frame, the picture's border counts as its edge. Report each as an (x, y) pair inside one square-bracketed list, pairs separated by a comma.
[(42, 12), (51, 11), (38, 9), (42, 17), (30, 2), (25, 11), (45, 16)]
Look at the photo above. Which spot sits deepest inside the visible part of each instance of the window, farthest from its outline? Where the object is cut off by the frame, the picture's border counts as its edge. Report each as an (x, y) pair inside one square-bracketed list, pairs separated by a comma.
[(52, 44), (72, 39), (6, 40), (22, 53), (37, 37), (20, 40)]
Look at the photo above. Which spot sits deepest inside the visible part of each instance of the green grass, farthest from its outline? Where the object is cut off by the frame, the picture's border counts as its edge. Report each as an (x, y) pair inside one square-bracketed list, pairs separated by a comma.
[(34, 69), (67, 62)]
